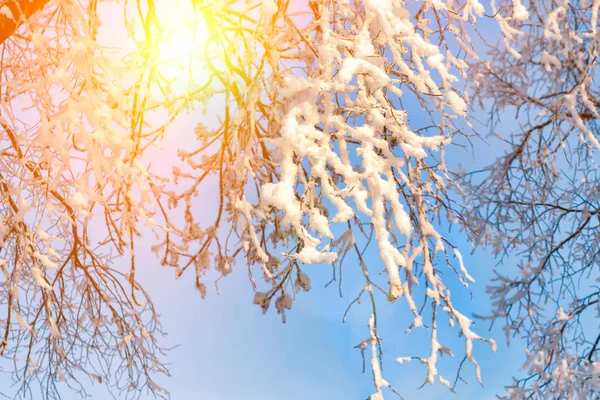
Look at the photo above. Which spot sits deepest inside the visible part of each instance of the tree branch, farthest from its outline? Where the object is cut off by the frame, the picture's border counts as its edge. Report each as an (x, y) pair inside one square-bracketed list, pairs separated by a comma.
[(20, 10)]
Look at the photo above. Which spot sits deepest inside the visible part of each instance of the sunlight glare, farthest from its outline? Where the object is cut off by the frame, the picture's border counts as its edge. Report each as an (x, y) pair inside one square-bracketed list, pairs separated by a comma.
[(181, 44)]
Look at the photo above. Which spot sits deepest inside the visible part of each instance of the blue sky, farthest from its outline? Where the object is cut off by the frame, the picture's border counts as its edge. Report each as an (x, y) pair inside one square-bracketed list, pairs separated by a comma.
[(228, 350)]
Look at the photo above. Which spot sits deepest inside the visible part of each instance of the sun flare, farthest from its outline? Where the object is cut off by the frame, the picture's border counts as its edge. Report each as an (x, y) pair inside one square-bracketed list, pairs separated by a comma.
[(180, 46)]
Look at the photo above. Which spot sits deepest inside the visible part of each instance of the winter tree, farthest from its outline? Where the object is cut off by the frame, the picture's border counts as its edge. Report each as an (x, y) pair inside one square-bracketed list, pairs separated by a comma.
[(334, 118), (537, 204)]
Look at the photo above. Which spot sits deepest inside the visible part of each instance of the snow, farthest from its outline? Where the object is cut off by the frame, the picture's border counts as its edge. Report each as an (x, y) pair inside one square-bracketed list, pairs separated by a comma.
[(310, 255), (338, 152), (519, 10), (462, 265), (40, 279), (550, 61), (456, 103), (45, 260), (5, 11)]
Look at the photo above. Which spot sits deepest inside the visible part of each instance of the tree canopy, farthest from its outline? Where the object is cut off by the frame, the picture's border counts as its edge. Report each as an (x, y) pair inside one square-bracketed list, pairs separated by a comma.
[(330, 124)]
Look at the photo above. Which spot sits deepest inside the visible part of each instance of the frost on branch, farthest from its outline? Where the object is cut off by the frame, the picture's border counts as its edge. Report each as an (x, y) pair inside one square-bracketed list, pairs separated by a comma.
[(314, 156), (536, 205), (72, 193)]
